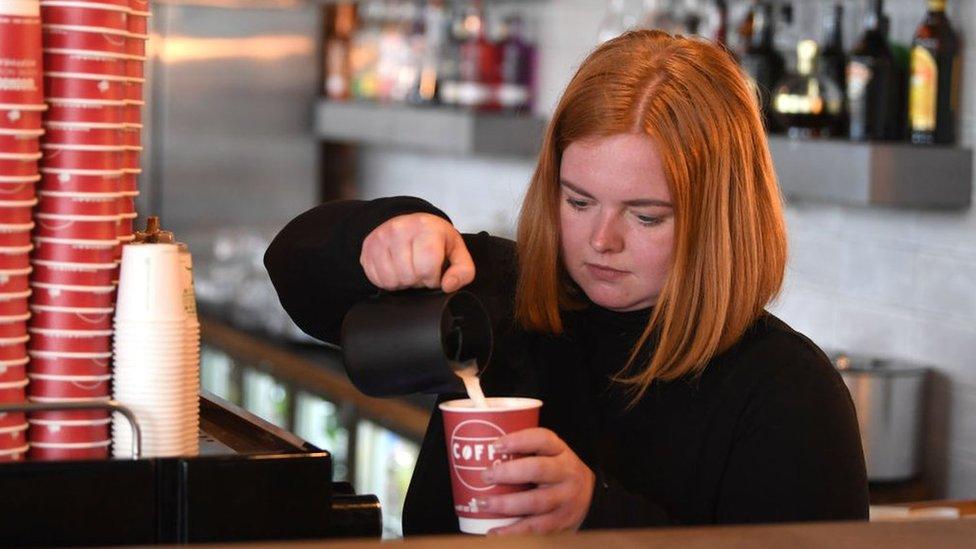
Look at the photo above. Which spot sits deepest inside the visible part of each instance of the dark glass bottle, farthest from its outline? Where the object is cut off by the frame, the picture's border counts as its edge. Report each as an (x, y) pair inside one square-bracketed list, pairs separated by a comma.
[(833, 61), (807, 102), (874, 82), (761, 61), (934, 88)]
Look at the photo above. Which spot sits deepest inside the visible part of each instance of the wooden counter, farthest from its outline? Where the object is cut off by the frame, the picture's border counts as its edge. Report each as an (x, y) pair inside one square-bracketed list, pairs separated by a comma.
[(945, 534)]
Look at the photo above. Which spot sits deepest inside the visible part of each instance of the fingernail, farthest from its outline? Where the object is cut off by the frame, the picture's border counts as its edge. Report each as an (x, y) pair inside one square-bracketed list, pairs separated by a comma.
[(488, 475), (484, 503)]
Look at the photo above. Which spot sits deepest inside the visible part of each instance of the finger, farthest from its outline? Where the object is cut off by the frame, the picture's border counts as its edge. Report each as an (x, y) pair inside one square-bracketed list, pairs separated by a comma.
[(527, 470), (537, 501), (543, 524), (537, 440), (428, 260), (401, 257), (461, 270)]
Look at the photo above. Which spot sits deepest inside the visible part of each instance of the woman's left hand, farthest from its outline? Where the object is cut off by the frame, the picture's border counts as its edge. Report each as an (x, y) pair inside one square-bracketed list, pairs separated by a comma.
[(560, 500)]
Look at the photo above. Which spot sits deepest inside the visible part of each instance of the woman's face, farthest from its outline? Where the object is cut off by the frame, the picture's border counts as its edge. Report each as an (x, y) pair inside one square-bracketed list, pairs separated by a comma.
[(616, 220)]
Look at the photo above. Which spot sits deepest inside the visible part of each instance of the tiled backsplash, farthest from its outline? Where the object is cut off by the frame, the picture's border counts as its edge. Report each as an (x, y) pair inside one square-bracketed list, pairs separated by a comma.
[(875, 281)]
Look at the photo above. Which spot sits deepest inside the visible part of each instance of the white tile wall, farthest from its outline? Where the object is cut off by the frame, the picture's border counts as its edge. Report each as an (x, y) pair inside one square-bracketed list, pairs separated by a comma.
[(885, 282)]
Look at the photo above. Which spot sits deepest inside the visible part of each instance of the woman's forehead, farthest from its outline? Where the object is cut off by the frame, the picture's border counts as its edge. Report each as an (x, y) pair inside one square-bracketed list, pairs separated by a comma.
[(622, 167)]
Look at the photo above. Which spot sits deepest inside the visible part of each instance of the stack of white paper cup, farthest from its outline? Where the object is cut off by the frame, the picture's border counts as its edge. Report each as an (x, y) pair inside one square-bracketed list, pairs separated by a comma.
[(151, 374)]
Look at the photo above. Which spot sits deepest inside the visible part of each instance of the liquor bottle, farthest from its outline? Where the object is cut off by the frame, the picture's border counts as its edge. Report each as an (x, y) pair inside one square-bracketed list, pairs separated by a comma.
[(934, 88), (873, 82), (517, 65), (480, 68), (338, 71), (761, 61), (833, 60), (808, 102), (449, 80), (721, 33), (431, 47), (364, 51)]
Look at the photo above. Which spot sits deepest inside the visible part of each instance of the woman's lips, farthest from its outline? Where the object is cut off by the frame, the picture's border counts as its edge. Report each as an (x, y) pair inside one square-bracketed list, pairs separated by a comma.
[(604, 273)]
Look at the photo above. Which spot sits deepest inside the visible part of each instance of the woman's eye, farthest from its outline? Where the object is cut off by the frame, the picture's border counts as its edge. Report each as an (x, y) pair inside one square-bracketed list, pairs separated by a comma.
[(577, 204), (649, 220)]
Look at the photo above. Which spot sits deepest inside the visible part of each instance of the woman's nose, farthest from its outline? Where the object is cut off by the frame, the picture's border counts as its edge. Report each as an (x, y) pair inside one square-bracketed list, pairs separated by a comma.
[(607, 237)]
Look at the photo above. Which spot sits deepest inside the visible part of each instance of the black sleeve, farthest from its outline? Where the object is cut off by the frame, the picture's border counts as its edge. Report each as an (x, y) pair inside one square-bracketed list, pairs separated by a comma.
[(613, 506), (314, 261), (797, 455)]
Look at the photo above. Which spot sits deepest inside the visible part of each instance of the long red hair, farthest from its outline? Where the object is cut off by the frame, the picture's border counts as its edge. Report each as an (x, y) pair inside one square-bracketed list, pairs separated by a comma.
[(729, 253)]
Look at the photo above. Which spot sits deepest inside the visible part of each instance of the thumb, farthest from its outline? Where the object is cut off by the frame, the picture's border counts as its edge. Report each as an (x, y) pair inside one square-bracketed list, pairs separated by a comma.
[(461, 270)]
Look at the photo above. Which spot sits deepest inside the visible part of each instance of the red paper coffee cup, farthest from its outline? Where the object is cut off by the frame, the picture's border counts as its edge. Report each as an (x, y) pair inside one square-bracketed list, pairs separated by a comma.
[(13, 370), (17, 212), (135, 68), (75, 251), (76, 227), (469, 433), (126, 204), (9, 419), (68, 415), (60, 432), (85, 62), (136, 44), (15, 455), (20, 54), (107, 135), (24, 191), (130, 181), (108, 16), (130, 158), (132, 135), (13, 348), (125, 227), (43, 451), (133, 111), (134, 90), (70, 157), (21, 117), (52, 386), (15, 258), (23, 141), (64, 366), (13, 327), (14, 304), (64, 318), (86, 112), (13, 437), (138, 22), (86, 38), (15, 239), (73, 297), (14, 281), (73, 274), (18, 165), (86, 87), (12, 392), (83, 204), (80, 182), (64, 341)]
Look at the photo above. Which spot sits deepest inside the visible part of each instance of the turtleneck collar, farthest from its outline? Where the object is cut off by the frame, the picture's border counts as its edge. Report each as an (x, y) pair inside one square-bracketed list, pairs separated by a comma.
[(629, 322)]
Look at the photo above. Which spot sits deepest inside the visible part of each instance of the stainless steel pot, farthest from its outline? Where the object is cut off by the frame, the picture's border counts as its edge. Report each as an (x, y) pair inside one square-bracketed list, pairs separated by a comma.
[(887, 395)]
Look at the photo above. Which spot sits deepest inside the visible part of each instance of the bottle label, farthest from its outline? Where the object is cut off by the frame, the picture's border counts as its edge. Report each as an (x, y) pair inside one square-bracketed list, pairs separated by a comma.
[(923, 91)]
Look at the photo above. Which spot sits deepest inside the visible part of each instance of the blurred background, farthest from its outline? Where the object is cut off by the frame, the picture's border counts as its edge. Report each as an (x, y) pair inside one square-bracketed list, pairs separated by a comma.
[(259, 110)]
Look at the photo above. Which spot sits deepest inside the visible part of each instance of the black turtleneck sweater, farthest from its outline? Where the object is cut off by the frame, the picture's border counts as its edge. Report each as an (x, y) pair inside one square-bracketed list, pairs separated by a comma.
[(766, 434)]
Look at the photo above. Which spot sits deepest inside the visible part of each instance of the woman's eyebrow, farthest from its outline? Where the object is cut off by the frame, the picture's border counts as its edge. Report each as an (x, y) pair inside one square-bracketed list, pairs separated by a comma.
[(636, 202)]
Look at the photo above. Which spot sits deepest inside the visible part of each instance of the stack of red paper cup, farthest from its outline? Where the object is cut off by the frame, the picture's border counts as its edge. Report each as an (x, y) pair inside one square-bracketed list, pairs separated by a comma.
[(77, 222), (138, 28), (21, 105)]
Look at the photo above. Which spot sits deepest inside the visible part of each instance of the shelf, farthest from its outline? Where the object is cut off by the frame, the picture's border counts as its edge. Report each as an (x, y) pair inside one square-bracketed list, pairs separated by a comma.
[(874, 174), (430, 129), (896, 175)]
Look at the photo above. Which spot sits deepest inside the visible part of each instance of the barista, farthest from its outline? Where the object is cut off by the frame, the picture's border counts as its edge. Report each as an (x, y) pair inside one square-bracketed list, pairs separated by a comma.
[(632, 304)]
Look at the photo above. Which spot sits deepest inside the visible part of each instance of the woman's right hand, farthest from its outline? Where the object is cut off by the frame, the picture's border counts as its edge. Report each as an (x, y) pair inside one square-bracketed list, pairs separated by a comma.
[(409, 251)]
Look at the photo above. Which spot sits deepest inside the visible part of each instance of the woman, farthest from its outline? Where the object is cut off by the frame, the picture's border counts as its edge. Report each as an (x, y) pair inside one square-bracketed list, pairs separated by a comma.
[(650, 240)]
